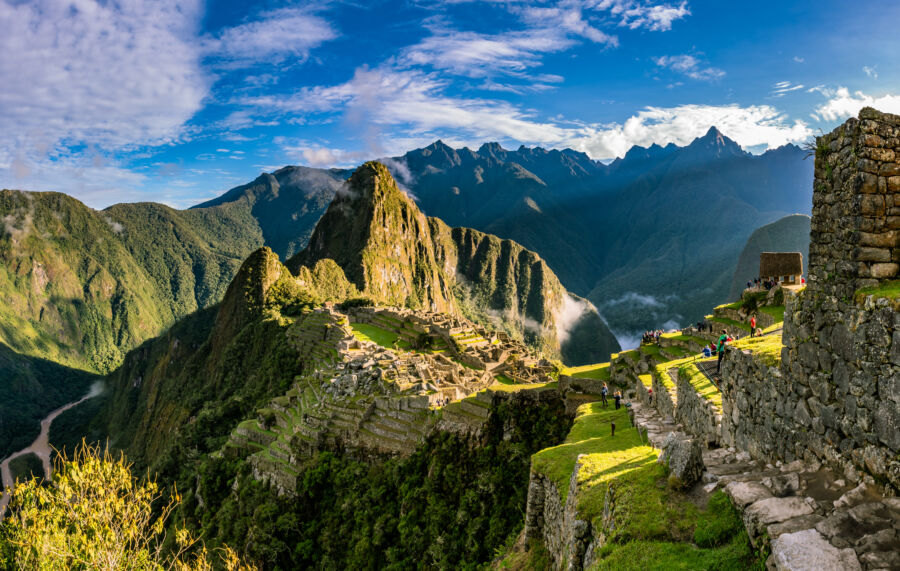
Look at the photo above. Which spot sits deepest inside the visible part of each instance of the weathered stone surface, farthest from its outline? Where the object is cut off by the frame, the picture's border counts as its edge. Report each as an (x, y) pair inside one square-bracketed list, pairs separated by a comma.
[(809, 551), (746, 493), (684, 458), (774, 510), (785, 485), (793, 525)]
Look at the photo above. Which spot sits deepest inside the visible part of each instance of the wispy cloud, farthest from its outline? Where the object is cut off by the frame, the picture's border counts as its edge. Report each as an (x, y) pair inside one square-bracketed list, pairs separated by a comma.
[(842, 104), (783, 87), (689, 66), (275, 35), (870, 72), (798, 59)]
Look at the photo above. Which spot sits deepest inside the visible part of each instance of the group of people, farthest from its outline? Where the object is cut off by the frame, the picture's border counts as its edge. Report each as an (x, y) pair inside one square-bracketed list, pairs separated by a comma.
[(759, 283), (704, 325), (617, 396), (652, 336)]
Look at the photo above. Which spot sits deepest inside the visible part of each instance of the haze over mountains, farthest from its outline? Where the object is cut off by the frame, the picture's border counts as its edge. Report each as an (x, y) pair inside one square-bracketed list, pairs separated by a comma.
[(650, 239)]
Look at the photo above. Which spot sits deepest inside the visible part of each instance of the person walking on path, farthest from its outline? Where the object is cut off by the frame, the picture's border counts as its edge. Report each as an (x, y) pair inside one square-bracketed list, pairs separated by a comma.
[(753, 325), (720, 349), (618, 398), (603, 392)]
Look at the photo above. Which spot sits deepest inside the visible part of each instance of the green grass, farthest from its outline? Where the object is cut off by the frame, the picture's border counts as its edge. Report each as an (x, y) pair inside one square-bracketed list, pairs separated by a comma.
[(375, 334), (767, 347), (701, 384), (736, 305), (504, 380), (608, 456), (647, 380), (888, 290), (599, 371), (776, 311)]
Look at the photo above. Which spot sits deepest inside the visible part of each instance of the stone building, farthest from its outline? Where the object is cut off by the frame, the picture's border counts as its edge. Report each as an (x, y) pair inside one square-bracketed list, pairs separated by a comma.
[(781, 267)]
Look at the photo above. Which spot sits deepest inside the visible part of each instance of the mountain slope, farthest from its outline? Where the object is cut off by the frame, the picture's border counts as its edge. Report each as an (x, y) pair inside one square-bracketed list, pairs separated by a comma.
[(81, 287), (789, 234), (396, 255)]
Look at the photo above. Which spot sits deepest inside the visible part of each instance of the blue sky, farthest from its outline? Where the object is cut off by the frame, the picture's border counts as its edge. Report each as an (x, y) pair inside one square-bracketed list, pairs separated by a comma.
[(177, 101)]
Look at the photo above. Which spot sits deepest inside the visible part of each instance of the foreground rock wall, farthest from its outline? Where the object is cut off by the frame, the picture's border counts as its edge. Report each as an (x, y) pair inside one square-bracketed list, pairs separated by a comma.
[(835, 397)]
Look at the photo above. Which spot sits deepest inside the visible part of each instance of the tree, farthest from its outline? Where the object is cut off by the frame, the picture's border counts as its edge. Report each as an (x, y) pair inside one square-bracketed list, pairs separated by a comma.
[(97, 515)]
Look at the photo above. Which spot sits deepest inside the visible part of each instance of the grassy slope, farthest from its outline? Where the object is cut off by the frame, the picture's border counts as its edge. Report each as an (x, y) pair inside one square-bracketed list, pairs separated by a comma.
[(653, 526)]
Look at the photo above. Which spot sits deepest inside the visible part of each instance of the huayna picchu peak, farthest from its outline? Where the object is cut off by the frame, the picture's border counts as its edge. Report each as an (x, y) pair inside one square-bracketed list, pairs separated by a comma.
[(395, 255)]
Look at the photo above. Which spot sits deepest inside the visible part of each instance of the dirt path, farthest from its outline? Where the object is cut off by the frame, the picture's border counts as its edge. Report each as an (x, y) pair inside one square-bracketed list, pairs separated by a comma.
[(40, 447)]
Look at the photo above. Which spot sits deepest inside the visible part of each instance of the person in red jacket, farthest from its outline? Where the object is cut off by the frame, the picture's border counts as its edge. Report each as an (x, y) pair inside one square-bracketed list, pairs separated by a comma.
[(753, 325)]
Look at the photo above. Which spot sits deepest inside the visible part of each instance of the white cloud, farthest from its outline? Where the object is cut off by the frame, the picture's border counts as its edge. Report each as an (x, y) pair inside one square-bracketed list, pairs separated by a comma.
[(478, 55), (417, 104), (783, 87), (286, 32), (752, 126), (689, 66), (98, 76), (842, 104), (108, 74), (633, 15), (870, 72)]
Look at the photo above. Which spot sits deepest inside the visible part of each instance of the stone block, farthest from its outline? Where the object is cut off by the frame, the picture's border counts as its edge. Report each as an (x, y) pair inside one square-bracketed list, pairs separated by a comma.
[(893, 184), (808, 550), (874, 254), (887, 424), (882, 270), (889, 169), (887, 239), (866, 183), (746, 493)]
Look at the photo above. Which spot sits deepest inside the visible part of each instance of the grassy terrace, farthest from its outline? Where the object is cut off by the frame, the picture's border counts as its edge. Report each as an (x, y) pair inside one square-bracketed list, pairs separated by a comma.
[(599, 371), (647, 380), (608, 456), (776, 311), (512, 388), (701, 384), (767, 347), (653, 527), (375, 334)]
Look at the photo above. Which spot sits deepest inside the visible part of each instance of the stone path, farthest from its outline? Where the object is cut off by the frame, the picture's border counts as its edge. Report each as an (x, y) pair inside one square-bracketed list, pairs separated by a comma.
[(811, 517)]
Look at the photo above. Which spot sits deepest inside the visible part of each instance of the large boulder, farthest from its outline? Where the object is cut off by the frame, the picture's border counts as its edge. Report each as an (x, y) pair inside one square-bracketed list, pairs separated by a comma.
[(684, 459)]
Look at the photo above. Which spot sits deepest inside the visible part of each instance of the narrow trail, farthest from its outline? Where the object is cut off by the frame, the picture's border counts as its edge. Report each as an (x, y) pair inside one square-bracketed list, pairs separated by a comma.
[(40, 447)]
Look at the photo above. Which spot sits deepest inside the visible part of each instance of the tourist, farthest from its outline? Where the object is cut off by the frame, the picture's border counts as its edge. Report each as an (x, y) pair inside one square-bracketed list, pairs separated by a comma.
[(752, 324), (650, 392), (612, 425), (723, 338), (618, 397), (603, 392)]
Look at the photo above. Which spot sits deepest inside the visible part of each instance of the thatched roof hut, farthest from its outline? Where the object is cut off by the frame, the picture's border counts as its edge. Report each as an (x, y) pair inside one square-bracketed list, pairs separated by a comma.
[(781, 266)]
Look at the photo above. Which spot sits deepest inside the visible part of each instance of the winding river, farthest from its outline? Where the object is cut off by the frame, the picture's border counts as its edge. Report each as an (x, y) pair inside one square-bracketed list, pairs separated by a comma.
[(40, 447)]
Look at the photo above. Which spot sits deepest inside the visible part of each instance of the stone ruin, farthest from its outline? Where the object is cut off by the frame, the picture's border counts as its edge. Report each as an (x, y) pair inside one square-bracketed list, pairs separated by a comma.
[(835, 398)]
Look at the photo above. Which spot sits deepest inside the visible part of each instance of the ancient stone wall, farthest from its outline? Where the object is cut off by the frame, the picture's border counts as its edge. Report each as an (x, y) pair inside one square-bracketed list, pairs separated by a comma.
[(698, 415), (855, 229), (835, 397)]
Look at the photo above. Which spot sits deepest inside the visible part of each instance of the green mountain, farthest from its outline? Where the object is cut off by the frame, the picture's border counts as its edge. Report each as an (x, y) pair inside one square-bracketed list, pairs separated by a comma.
[(81, 287), (397, 256), (790, 234)]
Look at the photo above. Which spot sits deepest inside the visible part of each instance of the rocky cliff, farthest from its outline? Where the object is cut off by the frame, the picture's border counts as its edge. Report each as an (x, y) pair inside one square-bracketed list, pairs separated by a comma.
[(397, 256)]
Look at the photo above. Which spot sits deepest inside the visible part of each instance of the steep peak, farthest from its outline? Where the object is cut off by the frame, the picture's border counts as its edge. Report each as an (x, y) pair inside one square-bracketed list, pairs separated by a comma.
[(246, 295), (372, 183), (715, 139), (491, 149)]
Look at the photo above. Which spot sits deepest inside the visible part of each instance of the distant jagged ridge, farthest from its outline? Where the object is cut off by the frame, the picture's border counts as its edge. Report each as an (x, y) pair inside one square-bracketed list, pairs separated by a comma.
[(397, 256)]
